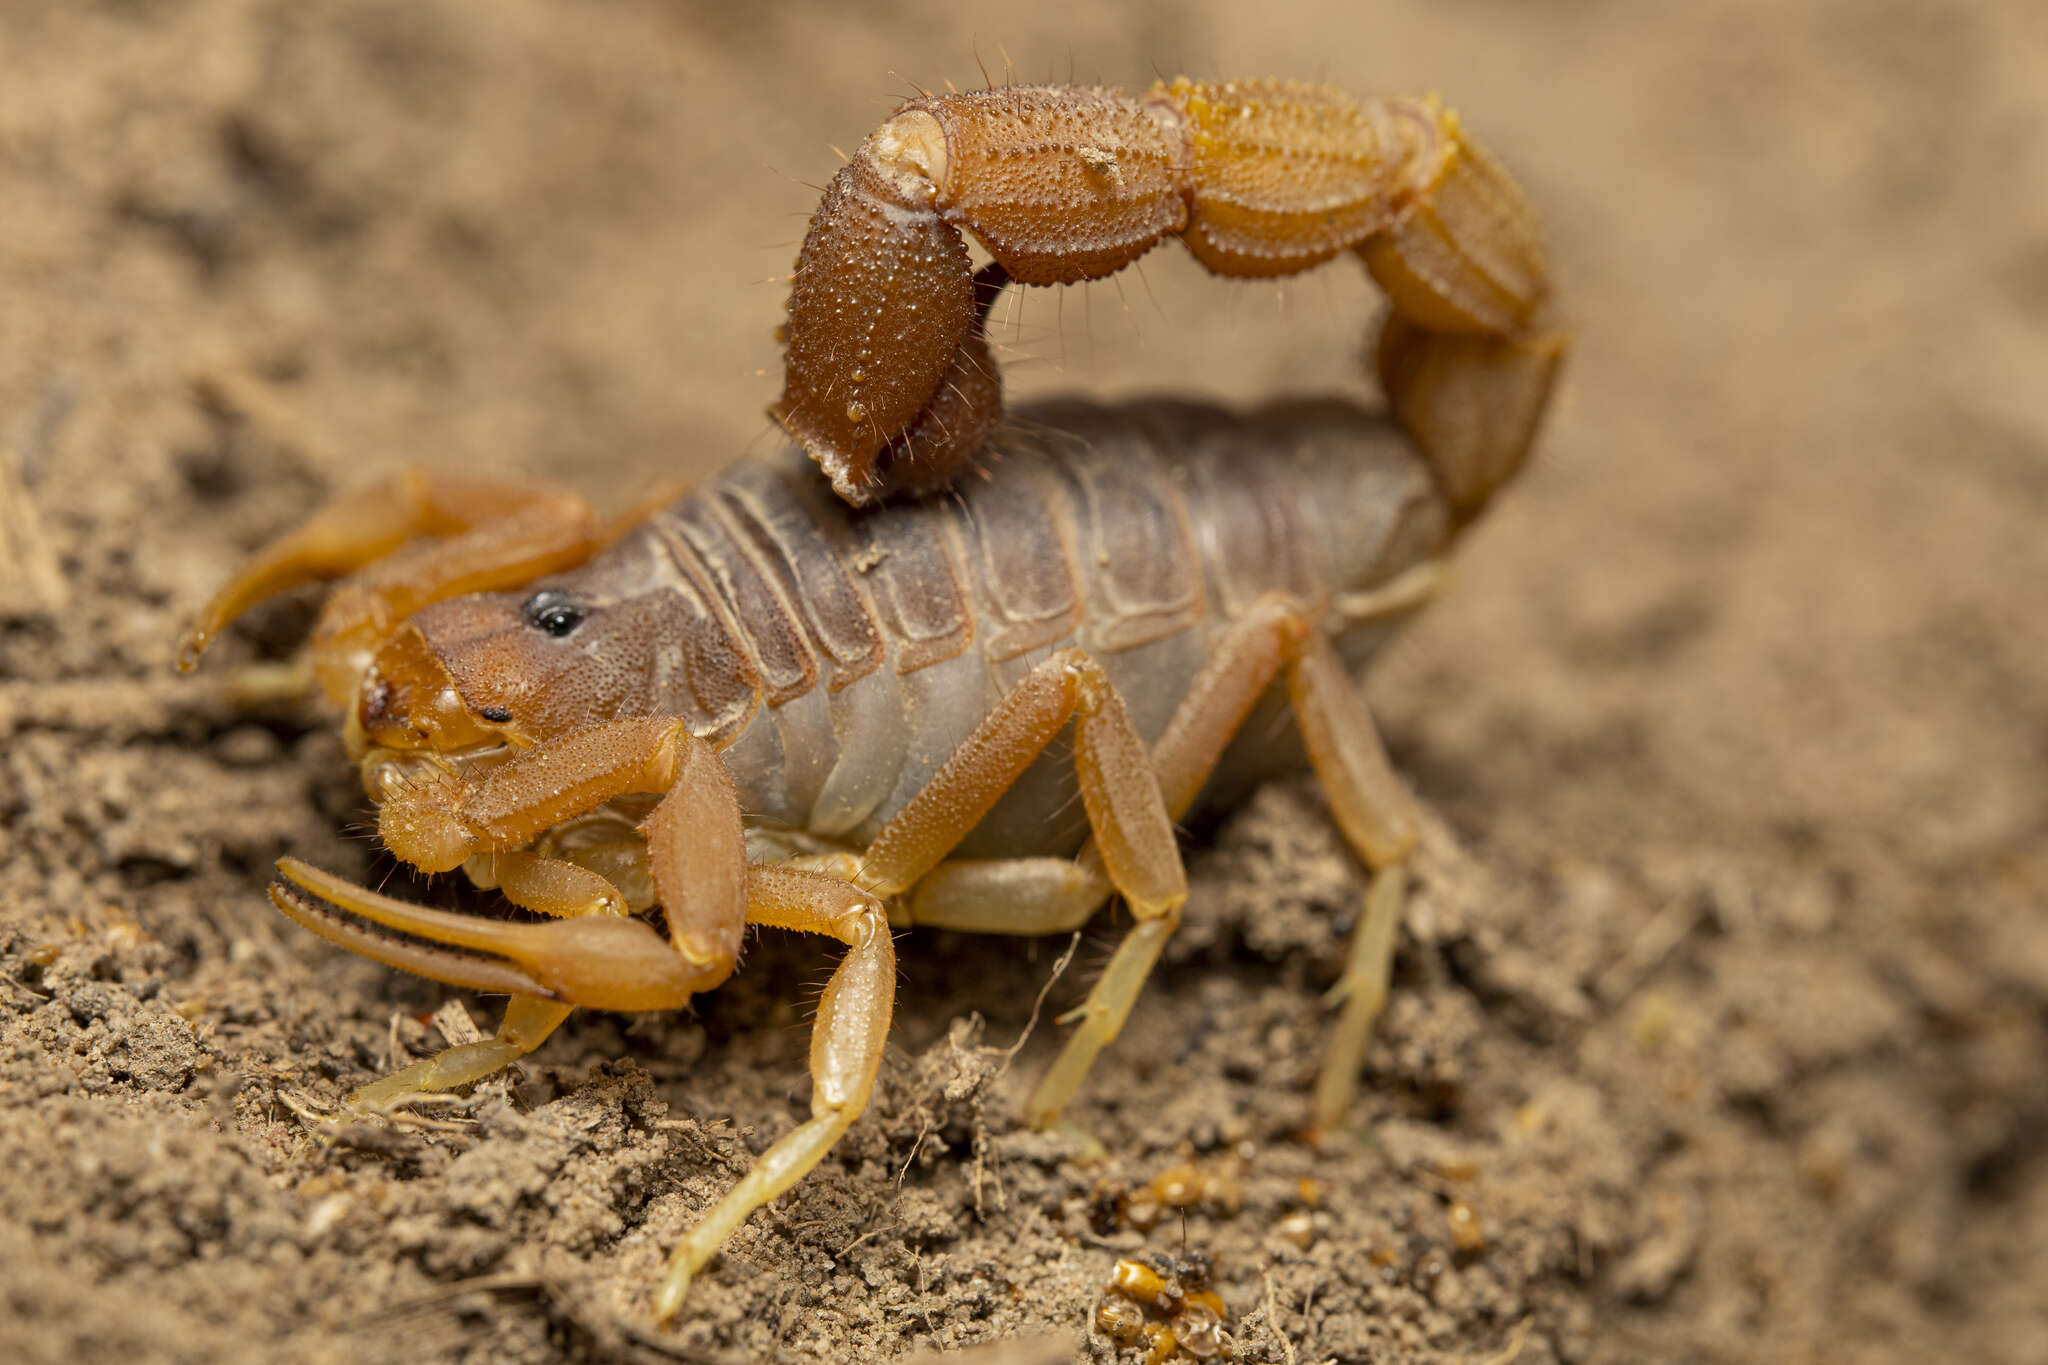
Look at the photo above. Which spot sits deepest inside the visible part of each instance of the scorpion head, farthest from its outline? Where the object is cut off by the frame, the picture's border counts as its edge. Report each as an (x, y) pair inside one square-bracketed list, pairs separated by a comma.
[(481, 677), (463, 685), (499, 671)]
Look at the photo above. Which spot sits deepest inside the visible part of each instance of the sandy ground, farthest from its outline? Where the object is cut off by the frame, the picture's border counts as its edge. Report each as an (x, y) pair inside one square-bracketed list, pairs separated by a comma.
[(1724, 1001)]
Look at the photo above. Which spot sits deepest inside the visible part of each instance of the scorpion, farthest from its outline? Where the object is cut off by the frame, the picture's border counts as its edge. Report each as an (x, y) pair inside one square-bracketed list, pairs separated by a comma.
[(766, 705)]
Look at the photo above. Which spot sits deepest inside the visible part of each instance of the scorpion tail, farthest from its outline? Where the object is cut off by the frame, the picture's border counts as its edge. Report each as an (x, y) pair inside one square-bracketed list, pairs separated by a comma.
[(1471, 402), (1470, 352)]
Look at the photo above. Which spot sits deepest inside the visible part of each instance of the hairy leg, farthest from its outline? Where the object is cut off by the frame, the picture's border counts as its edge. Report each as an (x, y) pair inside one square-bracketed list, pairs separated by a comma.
[(1009, 895), (528, 1022), (1132, 848), (486, 534), (1371, 808), (846, 1050)]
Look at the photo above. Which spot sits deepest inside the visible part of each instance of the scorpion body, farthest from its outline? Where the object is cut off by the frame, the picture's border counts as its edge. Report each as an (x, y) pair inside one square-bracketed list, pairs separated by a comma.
[(788, 700), (860, 649)]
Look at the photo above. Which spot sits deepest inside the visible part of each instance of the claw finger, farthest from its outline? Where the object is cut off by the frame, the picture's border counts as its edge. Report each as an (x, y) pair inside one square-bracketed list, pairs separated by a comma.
[(351, 531), (437, 964), (599, 961), (500, 937)]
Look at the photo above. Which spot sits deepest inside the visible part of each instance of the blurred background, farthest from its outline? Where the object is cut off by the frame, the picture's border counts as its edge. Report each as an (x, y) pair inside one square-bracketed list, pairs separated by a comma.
[(1769, 601)]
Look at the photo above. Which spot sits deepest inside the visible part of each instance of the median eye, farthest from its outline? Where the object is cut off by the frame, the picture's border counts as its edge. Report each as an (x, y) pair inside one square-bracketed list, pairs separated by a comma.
[(553, 613), (496, 715)]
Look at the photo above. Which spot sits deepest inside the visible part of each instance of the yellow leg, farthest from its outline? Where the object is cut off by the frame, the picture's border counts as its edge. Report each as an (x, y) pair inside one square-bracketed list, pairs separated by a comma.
[(1242, 667), (1133, 834), (1377, 818), (499, 532), (1101, 1016), (1362, 989), (1132, 846), (528, 1022), (846, 1050), (1009, 895), (1371, 808)]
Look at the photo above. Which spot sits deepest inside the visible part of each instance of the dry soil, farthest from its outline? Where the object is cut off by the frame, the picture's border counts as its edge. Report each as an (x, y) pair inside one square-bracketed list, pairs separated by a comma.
[(1722, 1004)]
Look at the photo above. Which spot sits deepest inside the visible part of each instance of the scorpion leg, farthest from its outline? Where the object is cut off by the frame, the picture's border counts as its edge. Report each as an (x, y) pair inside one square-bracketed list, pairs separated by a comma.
[(1244, 664), (696, 857), (985, 895), (1053, 895), (1377, 817), (492, 533), (1133, 833), (1009, 895), (1372, 809), (846, 1050), (528, 1022)]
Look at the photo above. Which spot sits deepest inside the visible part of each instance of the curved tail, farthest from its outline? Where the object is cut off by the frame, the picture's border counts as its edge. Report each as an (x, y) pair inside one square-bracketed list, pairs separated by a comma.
[(889, 382)]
